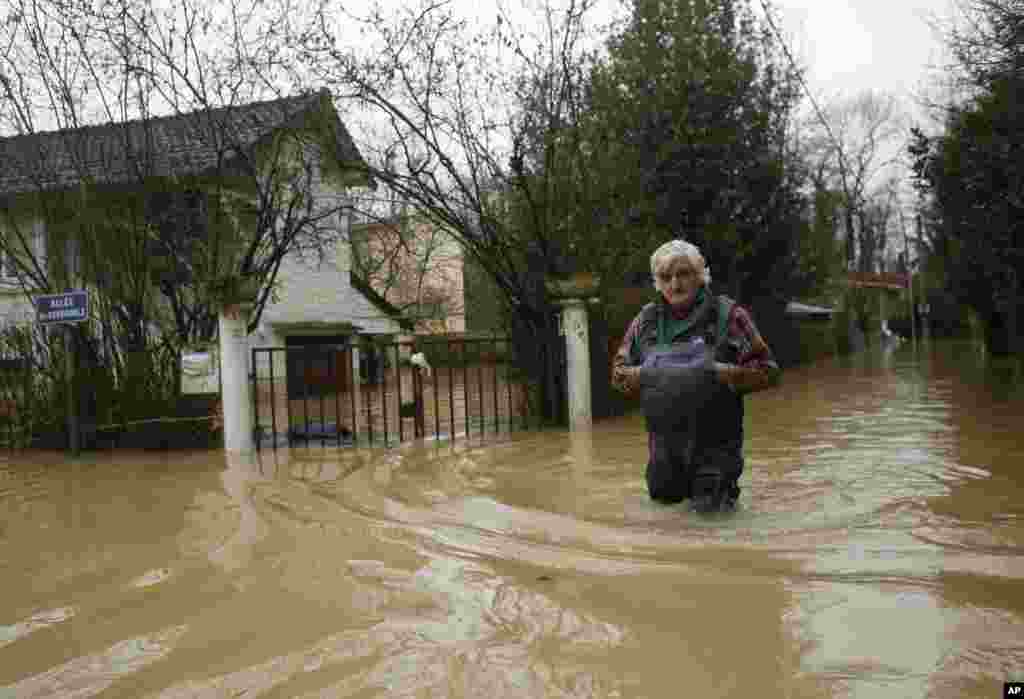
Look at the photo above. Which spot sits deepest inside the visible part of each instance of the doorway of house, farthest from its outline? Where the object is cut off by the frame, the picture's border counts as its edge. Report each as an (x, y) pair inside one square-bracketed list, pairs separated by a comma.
[(317, 365)]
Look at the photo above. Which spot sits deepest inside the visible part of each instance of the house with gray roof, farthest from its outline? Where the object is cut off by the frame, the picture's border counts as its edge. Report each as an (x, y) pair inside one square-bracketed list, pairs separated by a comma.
[(201, 161)]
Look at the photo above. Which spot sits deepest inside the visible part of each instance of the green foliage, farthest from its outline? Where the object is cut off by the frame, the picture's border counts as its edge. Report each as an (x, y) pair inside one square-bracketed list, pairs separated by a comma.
[(975, 173), (972, 175), (863, 304), (841, 328), (142, 385), (821, 254), (27, 390), (483, 303), (681, 133), (816, 340)]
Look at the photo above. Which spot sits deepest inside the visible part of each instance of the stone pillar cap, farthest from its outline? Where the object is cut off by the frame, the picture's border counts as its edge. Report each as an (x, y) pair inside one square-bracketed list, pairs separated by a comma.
[(578, 286)]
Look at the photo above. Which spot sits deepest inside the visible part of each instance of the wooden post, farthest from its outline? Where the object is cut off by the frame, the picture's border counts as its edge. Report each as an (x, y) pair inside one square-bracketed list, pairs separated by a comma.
[(418, 422)]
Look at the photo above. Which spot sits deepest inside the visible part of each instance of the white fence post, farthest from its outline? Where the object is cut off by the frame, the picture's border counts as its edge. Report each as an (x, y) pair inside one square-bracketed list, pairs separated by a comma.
[(573, 294), (577, 355), (236, 391), (357, 384)]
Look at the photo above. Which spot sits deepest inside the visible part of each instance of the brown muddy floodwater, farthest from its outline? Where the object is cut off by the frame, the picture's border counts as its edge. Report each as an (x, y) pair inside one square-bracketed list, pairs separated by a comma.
[(878, 552)]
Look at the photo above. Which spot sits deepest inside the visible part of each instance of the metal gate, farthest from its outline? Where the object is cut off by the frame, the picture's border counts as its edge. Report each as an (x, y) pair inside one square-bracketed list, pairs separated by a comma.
[(374, 393)]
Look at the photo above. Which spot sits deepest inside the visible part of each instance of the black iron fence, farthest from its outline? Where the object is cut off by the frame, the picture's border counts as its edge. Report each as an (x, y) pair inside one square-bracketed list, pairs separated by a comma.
[(380, 393)]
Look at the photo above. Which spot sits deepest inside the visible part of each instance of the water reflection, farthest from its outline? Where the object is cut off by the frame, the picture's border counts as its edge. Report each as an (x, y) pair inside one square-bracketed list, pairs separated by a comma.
[(877, 552)]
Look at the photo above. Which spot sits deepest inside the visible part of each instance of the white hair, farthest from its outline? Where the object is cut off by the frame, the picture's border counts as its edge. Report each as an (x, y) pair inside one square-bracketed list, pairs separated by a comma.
[(679, 250)]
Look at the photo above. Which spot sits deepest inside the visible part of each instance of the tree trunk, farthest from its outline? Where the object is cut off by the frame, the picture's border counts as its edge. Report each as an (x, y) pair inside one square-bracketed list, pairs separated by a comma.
[(998, 340)]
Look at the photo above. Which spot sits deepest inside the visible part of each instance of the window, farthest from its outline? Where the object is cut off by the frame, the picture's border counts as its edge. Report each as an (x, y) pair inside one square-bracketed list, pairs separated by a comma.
[(8, 270), (180, 219), (23, 243)]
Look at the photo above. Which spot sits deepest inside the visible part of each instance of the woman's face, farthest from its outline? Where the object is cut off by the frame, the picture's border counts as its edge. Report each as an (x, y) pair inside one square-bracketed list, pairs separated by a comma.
[(678, 282)]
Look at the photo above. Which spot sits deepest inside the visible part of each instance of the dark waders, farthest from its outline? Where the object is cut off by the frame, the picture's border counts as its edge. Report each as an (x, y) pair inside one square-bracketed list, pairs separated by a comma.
[(692, 419)]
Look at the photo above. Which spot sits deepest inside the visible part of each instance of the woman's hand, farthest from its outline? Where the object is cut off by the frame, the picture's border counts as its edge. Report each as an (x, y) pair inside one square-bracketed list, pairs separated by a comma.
[(726, 374), (745, 379), (626, 379)]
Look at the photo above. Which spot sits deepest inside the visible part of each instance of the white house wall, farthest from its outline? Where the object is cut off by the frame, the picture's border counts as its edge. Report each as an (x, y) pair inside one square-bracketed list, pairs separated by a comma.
[(315, 291), (311, 291), (15, 309)]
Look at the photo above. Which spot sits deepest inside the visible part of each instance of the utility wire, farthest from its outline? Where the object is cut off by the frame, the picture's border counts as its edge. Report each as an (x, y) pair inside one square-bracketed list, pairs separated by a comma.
[(803, 83), (821, 115)]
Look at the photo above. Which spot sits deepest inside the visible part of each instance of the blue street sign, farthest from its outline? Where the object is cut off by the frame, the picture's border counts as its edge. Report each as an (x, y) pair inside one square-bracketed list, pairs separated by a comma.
[(69, 307)]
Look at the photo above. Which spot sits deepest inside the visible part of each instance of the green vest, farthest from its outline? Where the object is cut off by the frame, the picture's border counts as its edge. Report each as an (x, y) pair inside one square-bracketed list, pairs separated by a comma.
[(657, 328), (721, 418)]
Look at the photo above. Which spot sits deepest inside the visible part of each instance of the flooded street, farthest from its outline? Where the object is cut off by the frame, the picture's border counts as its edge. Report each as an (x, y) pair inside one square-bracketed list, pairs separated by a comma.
[(878, 552)]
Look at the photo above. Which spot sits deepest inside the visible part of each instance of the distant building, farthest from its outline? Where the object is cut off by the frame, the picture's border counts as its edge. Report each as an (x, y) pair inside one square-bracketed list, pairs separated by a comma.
[(416, 267), (808, 311)]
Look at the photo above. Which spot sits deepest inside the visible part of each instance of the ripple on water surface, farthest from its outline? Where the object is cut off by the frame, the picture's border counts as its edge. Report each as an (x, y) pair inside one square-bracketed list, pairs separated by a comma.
[(877, 552)]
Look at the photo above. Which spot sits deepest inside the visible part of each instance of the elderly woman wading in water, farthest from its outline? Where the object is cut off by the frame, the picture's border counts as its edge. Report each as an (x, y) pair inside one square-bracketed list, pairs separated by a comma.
[(692, 356)]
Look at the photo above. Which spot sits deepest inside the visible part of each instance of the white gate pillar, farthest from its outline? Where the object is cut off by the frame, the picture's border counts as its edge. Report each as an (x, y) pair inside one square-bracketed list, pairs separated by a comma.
[(236, 390), (577, 355), (573, 294), (357, 384)]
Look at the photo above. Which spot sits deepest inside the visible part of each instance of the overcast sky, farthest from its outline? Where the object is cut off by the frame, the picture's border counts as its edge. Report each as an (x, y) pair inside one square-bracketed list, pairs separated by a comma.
[(847, 45), (852, 45)]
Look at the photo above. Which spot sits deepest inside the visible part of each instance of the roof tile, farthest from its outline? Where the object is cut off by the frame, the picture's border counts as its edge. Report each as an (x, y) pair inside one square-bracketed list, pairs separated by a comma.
[(178, 145)]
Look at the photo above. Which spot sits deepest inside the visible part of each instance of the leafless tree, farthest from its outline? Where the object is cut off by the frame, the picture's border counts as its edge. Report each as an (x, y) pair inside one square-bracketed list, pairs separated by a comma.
[(851, 158), (446, 98), (132, 62), (987, 40), (412, 263), (159, 238)]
